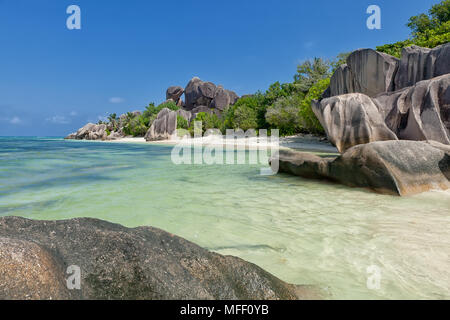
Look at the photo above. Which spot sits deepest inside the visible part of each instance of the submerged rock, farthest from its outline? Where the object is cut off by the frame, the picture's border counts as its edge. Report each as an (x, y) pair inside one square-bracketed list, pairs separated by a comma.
[(389, 167), (397, 167), (351, 119), (122, 263), (303, 164)]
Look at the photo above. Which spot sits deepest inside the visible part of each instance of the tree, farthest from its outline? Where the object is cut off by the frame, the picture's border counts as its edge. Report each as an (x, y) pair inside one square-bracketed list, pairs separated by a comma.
[(284, 115), (309, 72), (339, 61), (426, 30), (112, 118)]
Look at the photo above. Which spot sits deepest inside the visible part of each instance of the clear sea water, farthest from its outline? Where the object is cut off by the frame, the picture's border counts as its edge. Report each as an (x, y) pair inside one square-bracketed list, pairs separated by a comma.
[(304, 232)]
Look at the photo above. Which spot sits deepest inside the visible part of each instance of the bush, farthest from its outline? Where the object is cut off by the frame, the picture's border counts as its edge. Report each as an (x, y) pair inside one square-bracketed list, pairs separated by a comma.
[(309, 120), (395, 49), (182, 123), (247, 112), (284, 115), (137, 126), (209, 121)]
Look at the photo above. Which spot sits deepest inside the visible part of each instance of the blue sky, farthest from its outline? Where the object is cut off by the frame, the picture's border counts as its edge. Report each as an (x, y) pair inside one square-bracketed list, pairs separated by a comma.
[(54, 80)]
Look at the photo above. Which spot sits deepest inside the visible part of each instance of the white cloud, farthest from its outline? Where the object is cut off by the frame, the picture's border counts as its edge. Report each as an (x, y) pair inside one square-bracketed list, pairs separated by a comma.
[(58, 120), (73, 114), (116, 100), (14, 120)]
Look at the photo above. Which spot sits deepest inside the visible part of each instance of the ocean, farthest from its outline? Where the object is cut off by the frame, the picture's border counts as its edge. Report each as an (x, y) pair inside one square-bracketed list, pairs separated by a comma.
[(351, 243)]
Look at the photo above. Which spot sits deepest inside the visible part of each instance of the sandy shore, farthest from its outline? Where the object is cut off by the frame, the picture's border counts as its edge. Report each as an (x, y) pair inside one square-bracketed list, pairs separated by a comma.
[(298, 142)]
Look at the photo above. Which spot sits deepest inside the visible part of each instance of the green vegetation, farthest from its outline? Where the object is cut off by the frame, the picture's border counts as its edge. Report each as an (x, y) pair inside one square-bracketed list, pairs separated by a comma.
[(137, 125), (428, 30), (209, 121), (182, 123), (283, 106)]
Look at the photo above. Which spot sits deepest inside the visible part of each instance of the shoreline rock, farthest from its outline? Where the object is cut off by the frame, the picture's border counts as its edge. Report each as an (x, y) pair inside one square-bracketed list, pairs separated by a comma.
[(388, 167), (122, 263)]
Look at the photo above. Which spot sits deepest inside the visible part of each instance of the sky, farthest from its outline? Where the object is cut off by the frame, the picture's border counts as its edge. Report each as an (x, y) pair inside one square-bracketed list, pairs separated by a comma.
[(128, 52)]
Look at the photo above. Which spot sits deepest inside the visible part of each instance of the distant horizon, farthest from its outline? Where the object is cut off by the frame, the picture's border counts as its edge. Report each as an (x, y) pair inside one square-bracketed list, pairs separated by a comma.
[(55, 80)]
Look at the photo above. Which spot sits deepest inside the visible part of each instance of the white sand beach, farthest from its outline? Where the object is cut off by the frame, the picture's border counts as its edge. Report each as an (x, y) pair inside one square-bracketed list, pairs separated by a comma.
[(299, 142)]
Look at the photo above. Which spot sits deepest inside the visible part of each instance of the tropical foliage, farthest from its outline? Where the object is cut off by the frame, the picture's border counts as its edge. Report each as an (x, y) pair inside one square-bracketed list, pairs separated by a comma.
[(427, 30)]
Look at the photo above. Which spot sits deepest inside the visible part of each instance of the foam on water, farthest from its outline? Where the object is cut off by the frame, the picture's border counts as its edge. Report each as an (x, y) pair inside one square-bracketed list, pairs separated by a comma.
[(304, 232)]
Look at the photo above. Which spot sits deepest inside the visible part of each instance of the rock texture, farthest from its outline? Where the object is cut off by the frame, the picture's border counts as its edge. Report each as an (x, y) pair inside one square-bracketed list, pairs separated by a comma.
[(163, 127), (420, 112), (29, 271), (199, 93), (411, 96), (367, 71), (122, 263), (389, 167), (351, 119), (90, 132), (175, 93), (303, 164), (419, 64)]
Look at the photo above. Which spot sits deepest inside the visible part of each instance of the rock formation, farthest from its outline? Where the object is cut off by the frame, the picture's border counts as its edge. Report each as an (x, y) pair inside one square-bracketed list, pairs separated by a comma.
[(405, 99), (200, 96), (199, 93), (420, 112), (389, 167), (419, 64), (367, 71), (175, 93), (90, 131), (122, 263), (351, 119), (163, 127)]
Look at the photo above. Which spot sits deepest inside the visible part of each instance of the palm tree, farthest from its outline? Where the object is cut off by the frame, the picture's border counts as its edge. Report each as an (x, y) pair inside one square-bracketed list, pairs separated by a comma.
[(113, 120)]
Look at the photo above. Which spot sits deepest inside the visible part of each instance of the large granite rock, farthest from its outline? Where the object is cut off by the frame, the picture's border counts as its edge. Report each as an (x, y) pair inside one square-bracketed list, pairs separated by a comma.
[(164, 127), (192, 93), (420, 112), (389, 167), (200, 93), (367, 71), (174, 93), (187, 115), (341, 82), (122, 263), (90, 131), (396, 167), (303, 164), (30, 271), (419, 64), (351, 119), (222, 99)]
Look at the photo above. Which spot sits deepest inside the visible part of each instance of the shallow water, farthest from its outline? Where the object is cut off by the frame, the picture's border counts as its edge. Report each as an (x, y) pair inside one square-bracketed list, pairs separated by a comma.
[(304, 232)]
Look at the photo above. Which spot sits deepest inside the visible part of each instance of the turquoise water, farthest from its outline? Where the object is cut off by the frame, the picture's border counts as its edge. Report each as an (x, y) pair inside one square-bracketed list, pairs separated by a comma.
[(304, 232)]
